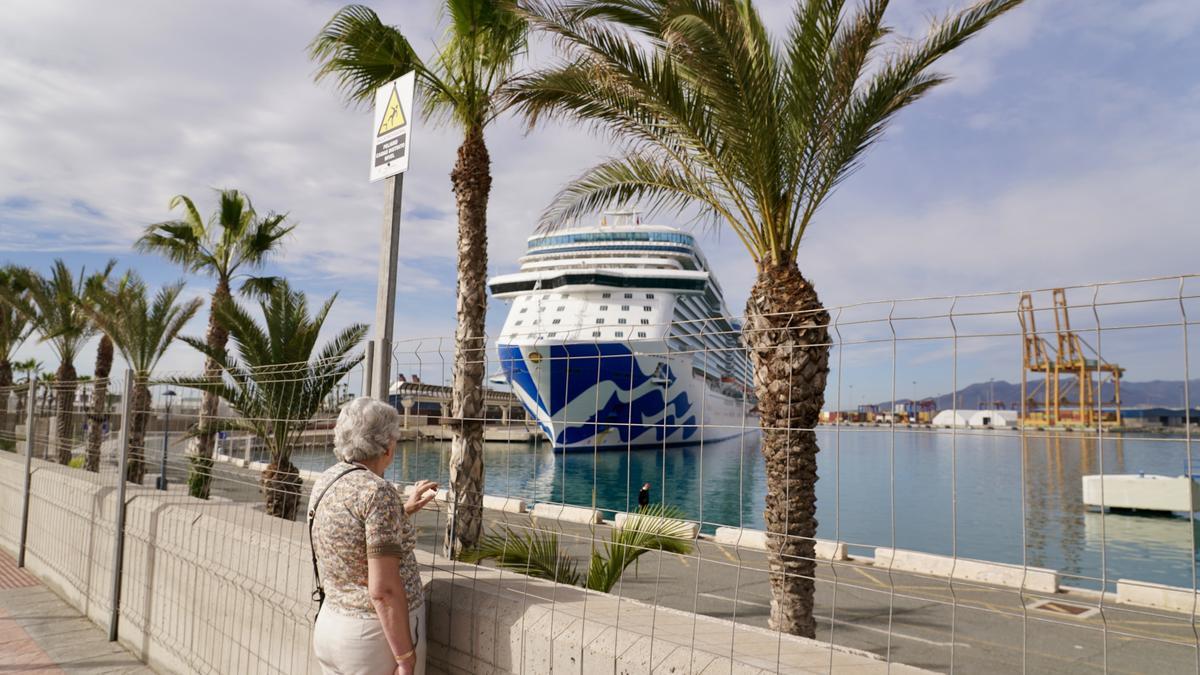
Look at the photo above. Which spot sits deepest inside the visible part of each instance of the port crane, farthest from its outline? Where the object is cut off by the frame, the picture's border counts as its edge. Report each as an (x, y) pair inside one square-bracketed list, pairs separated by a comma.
[(1073, 374)]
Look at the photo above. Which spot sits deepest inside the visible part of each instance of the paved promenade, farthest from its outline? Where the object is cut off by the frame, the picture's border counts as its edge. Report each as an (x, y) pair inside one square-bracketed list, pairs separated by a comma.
[(39, 633)]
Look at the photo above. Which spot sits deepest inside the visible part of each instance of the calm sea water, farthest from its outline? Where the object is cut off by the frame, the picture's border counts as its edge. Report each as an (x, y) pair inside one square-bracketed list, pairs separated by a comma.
[(988, 495)]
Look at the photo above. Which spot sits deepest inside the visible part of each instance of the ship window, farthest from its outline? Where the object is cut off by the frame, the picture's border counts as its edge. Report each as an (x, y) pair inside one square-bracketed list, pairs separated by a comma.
[(606, 295), (519, 322), (629, 295), (523, 310), (599, 320), (551, 334), (645, 322), (624, 308), (641, 333), (603, 308), (561, 308), (557, 321), (649, 296), (595, 333), (620, 333), (621, 321), (646, 308)]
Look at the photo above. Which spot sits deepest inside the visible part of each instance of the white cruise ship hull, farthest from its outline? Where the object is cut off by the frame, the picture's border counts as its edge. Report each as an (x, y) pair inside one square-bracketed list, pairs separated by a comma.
[(590, 396)]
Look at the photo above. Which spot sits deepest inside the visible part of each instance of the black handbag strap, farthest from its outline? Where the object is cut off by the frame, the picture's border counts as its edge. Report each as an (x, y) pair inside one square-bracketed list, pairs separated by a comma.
[(319, 592)]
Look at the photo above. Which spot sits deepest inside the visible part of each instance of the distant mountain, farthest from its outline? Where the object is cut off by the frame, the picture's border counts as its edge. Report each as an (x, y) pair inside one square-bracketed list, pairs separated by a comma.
[(1152, 394)]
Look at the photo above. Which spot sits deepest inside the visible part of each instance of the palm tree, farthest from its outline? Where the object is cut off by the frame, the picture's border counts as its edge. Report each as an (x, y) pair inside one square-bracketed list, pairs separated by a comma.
[(53, 306), (31, 367), (711, 115), (233, 240), (658, 528), (14, 328), (276, 385), (95, 289), (460, 86), (141, 328)]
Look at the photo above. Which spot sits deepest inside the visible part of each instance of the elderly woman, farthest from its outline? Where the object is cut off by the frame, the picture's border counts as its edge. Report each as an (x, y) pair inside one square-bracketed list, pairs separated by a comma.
[(373, 619)]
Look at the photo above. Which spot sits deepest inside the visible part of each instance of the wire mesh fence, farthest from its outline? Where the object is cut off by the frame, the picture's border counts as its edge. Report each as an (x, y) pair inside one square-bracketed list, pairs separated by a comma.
[(985, 502)]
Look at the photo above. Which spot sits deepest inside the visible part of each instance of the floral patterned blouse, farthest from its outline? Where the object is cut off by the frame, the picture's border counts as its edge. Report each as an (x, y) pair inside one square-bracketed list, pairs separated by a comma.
[(361, 516)]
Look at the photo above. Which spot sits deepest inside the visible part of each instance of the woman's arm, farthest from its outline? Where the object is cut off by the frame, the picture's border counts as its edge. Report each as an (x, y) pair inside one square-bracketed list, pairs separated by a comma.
[(391, 604)]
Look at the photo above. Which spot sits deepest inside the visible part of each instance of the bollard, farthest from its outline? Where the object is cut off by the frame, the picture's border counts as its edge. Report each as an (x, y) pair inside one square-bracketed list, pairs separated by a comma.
[(29, 419), (119, 526)]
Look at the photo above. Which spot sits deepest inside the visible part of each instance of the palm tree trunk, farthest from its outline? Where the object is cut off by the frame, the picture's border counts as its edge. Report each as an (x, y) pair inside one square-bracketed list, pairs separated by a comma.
[(282, 484), (200, 470), (472, 181), (65, 403), (788, 337), (104, 359), (135, 468)]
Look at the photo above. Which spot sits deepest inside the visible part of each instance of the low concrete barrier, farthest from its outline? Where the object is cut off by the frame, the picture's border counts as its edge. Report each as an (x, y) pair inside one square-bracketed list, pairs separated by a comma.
[(965, 569), (1158, 596), (757, 539), (507, 504), (688, 528), (571, 514)]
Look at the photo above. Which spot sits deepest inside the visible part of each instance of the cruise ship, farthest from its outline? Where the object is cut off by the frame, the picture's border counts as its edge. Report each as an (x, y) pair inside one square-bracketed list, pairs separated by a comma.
[(618, 337)]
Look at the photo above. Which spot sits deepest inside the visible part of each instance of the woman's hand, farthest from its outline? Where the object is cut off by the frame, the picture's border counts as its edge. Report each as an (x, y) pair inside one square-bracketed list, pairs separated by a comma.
[(407, 666), (423, 493)]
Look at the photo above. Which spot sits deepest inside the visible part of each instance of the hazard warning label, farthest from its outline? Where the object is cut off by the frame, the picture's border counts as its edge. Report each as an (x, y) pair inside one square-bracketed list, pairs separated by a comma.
[(393, 117)]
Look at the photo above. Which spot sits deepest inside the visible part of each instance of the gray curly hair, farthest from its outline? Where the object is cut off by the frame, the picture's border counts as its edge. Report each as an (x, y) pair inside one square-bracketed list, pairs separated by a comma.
[(365, 428)]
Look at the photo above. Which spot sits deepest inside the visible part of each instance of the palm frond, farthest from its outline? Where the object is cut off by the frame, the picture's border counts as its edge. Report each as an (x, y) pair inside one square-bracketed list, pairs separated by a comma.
[(141, 328), (657, 528), (534, 553), (361, 53), (699, 90)]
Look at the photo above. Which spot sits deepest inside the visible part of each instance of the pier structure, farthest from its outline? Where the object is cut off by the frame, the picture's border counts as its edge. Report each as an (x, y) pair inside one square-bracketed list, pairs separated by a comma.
[(426, 409), (1073, 375)]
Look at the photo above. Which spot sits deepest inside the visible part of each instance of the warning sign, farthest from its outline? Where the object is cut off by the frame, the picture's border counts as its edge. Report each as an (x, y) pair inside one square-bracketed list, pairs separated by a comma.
[(393, 114)]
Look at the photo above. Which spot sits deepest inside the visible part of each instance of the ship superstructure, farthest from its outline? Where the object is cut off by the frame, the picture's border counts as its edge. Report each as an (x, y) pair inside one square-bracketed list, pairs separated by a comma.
[(618, 337)]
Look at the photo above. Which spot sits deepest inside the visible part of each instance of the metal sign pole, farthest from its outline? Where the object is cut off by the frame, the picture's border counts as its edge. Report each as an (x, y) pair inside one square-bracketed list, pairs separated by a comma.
[(119, 526), (368, 389), (30, 402), (385, 298)]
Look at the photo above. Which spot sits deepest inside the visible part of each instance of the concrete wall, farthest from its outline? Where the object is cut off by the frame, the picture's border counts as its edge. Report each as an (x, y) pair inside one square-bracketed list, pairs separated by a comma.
[(219, 587)]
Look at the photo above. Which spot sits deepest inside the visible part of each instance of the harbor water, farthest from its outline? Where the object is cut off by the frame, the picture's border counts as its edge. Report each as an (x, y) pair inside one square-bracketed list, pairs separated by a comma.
[(992, 495)]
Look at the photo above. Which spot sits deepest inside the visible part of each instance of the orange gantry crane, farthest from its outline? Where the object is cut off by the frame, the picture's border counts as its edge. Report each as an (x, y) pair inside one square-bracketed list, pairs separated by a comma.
[(1073, 376)]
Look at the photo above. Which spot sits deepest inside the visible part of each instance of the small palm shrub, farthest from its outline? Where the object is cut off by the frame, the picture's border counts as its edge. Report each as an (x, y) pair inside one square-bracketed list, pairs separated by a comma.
[(657, 528)]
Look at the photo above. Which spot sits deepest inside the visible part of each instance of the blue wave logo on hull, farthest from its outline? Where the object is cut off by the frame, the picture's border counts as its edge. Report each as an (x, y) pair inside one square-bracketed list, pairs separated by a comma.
[(571, 377)]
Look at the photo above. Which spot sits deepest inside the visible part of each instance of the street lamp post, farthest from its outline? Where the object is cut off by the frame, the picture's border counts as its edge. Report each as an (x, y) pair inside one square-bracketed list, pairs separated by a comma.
[(162, 473)]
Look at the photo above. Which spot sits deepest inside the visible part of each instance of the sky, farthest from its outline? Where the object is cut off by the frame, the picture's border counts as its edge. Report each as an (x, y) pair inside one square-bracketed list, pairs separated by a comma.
[(1065, 150)]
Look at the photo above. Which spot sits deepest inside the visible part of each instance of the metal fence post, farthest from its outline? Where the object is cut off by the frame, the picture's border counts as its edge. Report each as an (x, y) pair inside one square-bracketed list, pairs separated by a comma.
[(119, 525), (31, 400)]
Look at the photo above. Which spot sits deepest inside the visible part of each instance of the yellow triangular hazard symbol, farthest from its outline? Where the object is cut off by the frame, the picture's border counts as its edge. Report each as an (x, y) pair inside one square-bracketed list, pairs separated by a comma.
[(393, 117)]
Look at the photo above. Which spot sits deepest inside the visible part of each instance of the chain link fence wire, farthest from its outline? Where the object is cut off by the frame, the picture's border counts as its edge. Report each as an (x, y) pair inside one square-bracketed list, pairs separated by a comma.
[(953, 533)]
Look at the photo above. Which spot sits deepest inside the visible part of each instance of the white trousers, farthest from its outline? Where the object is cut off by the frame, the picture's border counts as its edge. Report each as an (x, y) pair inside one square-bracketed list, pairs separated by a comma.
[(347, 645)]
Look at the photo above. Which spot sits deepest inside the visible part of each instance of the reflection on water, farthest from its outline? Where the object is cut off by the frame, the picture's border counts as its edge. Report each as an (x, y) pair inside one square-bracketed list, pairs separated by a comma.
[(988, 495)]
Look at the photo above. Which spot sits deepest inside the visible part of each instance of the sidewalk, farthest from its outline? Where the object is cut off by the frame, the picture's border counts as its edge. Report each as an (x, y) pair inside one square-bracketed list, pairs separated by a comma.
[(39, 633)]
